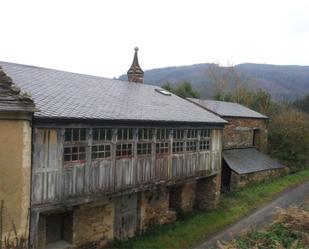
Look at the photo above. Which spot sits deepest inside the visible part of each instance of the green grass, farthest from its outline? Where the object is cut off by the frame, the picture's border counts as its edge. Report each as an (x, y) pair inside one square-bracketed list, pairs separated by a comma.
[(196, 227)]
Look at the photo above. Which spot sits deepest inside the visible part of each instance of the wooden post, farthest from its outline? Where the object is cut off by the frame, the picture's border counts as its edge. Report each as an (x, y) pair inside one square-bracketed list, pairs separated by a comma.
[(34, 227)]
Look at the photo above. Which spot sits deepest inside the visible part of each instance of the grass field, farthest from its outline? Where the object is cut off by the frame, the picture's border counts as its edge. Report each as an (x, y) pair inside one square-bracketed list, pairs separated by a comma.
[(194, 228)]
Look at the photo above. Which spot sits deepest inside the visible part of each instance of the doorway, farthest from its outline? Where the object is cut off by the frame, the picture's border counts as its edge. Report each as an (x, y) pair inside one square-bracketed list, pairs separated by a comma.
[(126, 217), (225, 177), (59, 230), (256, 138)]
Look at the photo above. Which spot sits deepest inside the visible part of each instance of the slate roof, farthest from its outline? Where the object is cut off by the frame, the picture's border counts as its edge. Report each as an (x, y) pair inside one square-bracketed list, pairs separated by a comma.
[(227, 109), (11, 97), (65, 95), (250, 160)]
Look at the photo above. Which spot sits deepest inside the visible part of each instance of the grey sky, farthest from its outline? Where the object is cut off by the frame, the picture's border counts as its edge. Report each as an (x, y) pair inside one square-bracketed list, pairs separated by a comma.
[(97, 37)]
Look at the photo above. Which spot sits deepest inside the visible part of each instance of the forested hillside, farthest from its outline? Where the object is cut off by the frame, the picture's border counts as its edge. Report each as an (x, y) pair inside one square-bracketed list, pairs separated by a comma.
[(283, 82)]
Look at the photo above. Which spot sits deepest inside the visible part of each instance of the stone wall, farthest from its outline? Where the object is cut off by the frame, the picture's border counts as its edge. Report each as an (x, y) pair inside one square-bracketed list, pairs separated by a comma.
[(239, 181), (93, 225), (239, 133), (154, 208), (183, 197), (208, 192)]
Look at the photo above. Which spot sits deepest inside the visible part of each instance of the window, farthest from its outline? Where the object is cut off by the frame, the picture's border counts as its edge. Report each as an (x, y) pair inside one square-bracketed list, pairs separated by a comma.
[(74, 153), (178, 134), (191, 146), (74, 146), (144, 134), (125, 134), (205, 133), (162, 134), (162, 148), (144, 149), (205, 139), (164, 92), (124, 150), (204, 145), (101, 151), (192, 133), (102, 134), (162, 145), (75, 134), (178, 147)]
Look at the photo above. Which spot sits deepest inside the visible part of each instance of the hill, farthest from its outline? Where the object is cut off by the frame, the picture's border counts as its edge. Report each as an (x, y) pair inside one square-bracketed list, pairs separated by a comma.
[(283, 82)]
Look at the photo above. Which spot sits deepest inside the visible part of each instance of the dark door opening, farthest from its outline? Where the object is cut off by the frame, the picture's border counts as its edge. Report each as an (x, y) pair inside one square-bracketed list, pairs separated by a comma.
[(175, 198), (256, 138), (225, 177), (59, 228)]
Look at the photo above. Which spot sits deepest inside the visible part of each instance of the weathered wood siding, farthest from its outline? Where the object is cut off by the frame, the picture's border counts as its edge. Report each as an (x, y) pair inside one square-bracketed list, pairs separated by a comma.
[(47, 166), (56, 180)]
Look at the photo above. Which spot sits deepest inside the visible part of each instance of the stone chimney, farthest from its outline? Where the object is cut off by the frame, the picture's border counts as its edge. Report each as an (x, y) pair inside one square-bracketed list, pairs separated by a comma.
[(135, 73)]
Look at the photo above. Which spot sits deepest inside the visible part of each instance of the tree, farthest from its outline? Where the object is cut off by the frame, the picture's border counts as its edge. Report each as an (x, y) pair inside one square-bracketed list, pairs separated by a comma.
[(184, 89), (303, 104), (289, 136)]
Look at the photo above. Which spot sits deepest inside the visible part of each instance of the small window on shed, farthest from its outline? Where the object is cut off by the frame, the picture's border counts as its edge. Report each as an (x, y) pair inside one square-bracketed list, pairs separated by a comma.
[(205, 133), (191, 146), (192, 133), (74, 153), (102, 134), (144, 149), (144, 134), (162, 148), (124, 150), (178, 147), (162, 134), (101, 151), (75, 134), (178, 134), (125, 134), (204, 145)]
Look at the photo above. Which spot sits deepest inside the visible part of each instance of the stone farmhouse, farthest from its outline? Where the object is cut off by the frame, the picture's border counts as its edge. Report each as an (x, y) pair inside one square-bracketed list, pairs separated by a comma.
[(244, 141), (86, 159)]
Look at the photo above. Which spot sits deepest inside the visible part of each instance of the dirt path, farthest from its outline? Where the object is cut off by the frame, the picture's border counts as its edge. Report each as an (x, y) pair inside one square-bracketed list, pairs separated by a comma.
[(262, 216)]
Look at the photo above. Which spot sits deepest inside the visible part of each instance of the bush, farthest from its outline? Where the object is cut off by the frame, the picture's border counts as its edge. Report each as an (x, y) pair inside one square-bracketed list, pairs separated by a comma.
[(289, 136)]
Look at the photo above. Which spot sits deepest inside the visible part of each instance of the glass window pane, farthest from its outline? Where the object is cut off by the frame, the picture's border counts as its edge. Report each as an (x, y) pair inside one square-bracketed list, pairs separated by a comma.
[(68, 134), (67, 158), (75, 134), (82, 134), (95, 134), (109, 134), (67, 150)]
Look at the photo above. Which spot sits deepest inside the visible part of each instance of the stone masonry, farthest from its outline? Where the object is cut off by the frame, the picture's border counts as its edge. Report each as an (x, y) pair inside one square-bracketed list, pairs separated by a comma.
[(154, 208), (239, 133), (239, 181), (208, 192), (183, 197), (93, 224)]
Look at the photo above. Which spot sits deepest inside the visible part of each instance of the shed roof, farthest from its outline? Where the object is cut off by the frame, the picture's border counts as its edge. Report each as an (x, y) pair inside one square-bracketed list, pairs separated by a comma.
[(65, 95), (227, 109), (250, 160)]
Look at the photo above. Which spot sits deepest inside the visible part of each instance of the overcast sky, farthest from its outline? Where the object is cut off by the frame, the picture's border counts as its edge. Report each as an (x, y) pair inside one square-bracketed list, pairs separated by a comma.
[(98, 37)]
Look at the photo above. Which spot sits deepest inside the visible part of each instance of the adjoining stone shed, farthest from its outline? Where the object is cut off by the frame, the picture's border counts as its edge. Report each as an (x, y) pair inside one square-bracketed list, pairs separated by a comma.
[(244, 142), (242, 167)]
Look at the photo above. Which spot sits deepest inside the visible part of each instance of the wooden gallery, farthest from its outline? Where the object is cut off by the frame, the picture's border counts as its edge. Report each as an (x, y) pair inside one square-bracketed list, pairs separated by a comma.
[(86, 159)]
